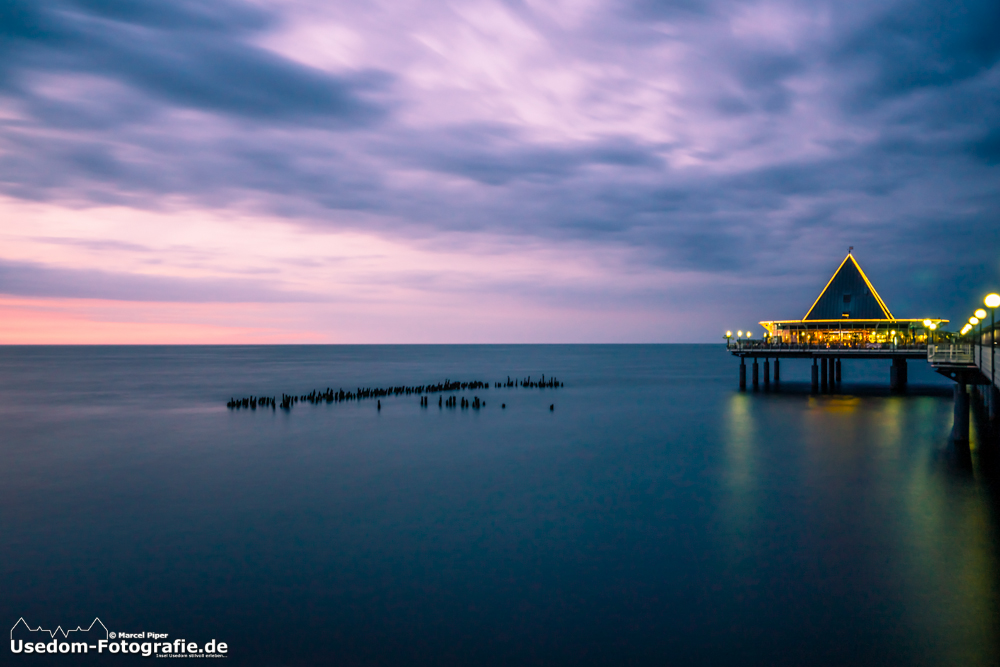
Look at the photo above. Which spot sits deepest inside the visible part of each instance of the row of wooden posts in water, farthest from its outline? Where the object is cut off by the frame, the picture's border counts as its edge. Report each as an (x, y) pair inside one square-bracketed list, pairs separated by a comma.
[(328, 395)]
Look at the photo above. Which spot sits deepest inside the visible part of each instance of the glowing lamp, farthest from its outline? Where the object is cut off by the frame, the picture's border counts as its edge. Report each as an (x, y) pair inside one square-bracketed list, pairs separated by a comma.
[(933, 326), (992, 300), (729, 334), (927, 323), (749, 334), (974, 320), (739, 334), (980, 313)]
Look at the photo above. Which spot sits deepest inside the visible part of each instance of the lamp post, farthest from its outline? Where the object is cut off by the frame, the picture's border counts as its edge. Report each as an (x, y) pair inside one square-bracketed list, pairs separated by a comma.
[(992, 301), (981, 316), (729, 334)]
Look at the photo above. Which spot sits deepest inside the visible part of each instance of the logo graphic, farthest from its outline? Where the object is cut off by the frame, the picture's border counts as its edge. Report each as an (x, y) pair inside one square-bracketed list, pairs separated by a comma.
[(96, 638), (79, 633)]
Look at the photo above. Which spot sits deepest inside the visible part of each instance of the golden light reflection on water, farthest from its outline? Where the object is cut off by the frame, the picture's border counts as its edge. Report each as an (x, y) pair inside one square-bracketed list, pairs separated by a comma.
[(835, 404), (740, 440), (741, 464), (887, 420), (947, 534), (927, 519)]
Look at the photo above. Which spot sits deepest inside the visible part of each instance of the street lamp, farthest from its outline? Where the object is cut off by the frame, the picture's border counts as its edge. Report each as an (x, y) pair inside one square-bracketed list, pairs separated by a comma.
[(992, 301), (729, 334), (981, 316), (933, 328)]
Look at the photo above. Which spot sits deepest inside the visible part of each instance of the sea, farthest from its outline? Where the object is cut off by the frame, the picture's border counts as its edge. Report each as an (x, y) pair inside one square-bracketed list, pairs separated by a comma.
[(645, 512)]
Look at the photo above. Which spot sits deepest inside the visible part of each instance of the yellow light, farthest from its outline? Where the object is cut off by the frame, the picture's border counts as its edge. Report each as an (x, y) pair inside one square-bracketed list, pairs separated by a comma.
[(992, 300), (893, 332), (974, 320), (739, 334), (927, 323), (729, 334), (749, 334), (981, 314), (933, 326), (966, 328)]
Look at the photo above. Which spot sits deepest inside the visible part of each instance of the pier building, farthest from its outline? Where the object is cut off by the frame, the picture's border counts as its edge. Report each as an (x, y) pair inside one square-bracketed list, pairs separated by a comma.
[(847, 320), (850, 313)]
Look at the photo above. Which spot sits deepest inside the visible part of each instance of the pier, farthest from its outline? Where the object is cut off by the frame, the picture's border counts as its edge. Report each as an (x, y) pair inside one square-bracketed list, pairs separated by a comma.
[(850, 321), (827, 361)]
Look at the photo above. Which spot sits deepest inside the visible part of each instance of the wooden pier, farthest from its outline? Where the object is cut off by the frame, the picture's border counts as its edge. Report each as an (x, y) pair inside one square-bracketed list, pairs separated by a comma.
[(827, 360), (849, 320)]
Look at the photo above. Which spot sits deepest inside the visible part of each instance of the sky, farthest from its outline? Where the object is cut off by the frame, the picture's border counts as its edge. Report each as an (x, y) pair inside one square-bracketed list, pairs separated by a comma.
[(488, 171)]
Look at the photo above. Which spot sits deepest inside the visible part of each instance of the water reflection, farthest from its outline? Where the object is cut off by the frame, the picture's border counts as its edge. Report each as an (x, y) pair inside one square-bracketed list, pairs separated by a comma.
[(740, 442), (868, 489)]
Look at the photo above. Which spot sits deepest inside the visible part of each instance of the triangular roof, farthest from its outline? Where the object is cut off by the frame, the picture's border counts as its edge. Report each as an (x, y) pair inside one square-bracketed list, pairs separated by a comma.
[(849, 294)]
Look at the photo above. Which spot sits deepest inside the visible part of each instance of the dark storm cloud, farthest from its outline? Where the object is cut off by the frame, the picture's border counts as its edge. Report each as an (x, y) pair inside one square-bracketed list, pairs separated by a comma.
[(496, 155), (181, 54), (987, 147), (914, 45)]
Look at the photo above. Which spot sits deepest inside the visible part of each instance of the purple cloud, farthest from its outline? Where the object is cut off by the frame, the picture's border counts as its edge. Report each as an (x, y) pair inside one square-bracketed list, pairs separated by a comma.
[(737, 141)]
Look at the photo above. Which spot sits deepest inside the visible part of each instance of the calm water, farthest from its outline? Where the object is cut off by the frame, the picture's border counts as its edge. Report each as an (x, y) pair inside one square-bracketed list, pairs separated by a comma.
[(656, 516)]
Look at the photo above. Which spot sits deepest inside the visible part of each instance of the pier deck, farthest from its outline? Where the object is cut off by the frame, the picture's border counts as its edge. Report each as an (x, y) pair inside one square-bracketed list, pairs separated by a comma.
[(763, 350)]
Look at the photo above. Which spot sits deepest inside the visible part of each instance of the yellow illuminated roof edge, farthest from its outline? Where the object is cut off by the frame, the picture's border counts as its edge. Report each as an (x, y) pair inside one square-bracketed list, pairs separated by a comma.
[(885, 309), (906, 319), (827, 285)]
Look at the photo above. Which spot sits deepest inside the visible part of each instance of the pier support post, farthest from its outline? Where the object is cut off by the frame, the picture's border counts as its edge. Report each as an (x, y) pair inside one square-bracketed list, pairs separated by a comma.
[(743, 374), (756, 378), (838, 372), (815, 377), (897, 374), (777, 371), (823, 379), (767, 374), (960, 431)]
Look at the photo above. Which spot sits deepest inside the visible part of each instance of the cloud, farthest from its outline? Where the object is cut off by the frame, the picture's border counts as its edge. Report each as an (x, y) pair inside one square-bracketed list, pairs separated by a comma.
[(184, 55), (730, 139), (28, 279), (911, 46)]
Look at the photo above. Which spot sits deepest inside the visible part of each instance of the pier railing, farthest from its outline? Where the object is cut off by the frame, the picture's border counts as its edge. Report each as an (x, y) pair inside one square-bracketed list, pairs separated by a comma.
[(950, 354), (768, 345)]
